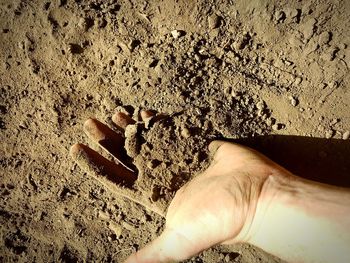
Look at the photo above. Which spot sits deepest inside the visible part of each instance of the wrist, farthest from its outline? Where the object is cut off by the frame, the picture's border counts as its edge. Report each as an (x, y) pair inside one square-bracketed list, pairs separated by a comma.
[(273, 191), (302, 221), (267, 192)]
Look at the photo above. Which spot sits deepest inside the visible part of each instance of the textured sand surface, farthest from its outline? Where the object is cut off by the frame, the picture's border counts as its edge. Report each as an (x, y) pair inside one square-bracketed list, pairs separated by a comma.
[(272, 74)]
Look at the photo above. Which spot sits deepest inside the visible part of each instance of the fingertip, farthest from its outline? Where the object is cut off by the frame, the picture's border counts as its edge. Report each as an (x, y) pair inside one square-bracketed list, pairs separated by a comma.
[(96, 130), (76, 149), (122, 120), (89, 123), (146, 114)]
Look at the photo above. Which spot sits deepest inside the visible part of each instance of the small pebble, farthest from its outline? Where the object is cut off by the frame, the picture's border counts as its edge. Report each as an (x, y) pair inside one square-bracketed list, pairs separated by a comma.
[(234, 94), (342, 46), (324, 38), (287, 62), (346, 135), (177, 33), (117, 229), (213, 21), (333, 121), (268, 122), (185, 133), (329, 134), (293, 101), (260, 113), (277, 126), (298, 80), (21, 45), (197, 57), (104, 216), (128, 226), (133, 44), (330, 54), (320, 128), (231, 257), (153, 164), (260, 105), (280, 16), (309, 28), (320, 101), (333, 85)]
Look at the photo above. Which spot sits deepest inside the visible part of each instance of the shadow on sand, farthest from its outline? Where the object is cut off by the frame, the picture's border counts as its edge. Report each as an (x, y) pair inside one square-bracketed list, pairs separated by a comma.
[(318, 159)]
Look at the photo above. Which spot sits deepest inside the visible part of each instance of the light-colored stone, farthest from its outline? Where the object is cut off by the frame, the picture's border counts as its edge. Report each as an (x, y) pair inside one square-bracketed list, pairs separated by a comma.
[(329, 134), (185, 133), (346, 135), (176, 34)]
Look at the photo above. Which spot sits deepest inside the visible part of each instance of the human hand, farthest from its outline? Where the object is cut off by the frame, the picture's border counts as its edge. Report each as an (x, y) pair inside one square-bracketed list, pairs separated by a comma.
[(216, 207)]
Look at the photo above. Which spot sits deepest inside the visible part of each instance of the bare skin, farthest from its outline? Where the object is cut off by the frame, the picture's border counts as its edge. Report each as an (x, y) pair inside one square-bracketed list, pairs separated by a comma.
[(242, 197)]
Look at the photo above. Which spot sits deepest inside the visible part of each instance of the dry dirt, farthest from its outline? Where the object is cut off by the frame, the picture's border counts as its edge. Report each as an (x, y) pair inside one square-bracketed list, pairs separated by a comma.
[(272, 74)]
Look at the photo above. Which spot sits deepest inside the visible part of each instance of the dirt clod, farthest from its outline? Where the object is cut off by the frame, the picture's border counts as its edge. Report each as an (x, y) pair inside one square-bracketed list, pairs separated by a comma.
[(346, 135), (214, 21)]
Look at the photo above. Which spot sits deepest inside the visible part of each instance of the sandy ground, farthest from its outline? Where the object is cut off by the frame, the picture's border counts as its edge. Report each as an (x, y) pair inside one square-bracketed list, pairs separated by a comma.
[(271, 74)]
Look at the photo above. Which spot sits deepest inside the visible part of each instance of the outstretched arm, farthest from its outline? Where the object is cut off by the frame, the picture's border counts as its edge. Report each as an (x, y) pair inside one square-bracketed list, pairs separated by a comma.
[(245, 197), (303, 221)]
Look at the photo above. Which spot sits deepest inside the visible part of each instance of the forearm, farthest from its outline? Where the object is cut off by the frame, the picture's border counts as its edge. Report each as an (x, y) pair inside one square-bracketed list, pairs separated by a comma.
[(302, 221)]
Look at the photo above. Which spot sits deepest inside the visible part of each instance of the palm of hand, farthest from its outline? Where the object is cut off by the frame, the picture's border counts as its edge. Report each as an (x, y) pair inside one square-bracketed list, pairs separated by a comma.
[(214, 208)]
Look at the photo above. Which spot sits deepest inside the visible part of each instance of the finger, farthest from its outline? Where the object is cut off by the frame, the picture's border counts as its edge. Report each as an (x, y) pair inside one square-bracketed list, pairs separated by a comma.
[(122, 120), (169, 246), (93, 163), (109, 140), (146, 114)]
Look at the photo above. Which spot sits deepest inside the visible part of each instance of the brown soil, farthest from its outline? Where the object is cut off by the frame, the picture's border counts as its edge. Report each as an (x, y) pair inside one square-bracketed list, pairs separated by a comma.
[(272, 74)]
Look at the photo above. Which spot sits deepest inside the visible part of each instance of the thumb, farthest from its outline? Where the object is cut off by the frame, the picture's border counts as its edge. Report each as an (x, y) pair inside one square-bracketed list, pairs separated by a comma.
[(214, 146), (169, 246)]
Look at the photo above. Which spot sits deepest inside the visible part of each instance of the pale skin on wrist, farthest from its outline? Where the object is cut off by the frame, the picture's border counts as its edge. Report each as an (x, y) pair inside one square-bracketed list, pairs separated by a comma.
[(295, 219), (302, 221)]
